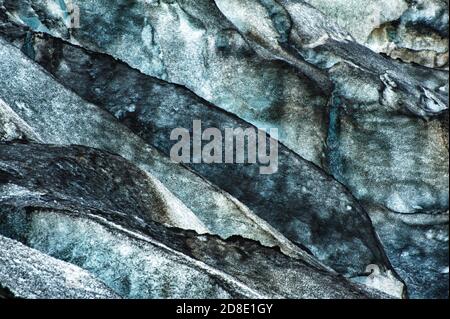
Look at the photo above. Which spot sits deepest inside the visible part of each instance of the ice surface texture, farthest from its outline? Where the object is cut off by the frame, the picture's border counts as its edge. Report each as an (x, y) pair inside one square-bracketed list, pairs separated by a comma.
[(358, 90)]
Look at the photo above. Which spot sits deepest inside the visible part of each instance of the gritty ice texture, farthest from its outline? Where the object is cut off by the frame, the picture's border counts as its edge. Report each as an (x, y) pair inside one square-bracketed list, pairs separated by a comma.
[(358, 90)]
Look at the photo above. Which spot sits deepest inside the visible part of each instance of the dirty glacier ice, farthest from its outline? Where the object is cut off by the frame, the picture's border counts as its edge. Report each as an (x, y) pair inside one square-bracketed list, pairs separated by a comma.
[(375, 124)]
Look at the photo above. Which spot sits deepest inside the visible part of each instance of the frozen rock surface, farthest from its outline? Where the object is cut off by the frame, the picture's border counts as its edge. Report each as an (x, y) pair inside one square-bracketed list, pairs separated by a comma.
[(337, 231), (191, 43), (418, 245), (12, 127), (358, 88), (28, 273), (413, 31), (61, 117), (135, 257), (105, 182)]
